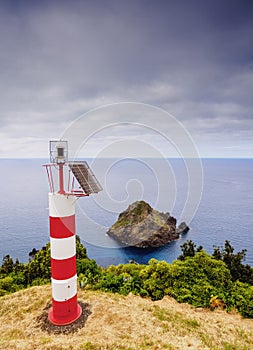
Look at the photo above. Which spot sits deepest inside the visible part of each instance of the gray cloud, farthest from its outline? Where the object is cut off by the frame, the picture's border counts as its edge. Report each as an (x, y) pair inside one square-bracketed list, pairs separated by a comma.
[(193, 58)]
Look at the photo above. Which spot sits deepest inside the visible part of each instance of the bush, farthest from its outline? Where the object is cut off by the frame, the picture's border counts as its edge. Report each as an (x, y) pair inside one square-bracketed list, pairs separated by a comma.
[(192, 280), (7, 285), (110, 282), (196, 278), (157, 279), (88, 272), (122, 279), (15, 276), (242, 297)]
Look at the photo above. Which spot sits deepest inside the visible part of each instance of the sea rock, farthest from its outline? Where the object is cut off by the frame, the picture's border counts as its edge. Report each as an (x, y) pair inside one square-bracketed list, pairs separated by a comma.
[(141, 226), (182, 228)]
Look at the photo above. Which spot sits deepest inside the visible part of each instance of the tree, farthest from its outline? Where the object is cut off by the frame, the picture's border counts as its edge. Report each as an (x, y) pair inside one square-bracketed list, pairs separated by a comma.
[(81, 252), (7, 265), (238, 270), (39, 268), (32, 254), (189, 249)]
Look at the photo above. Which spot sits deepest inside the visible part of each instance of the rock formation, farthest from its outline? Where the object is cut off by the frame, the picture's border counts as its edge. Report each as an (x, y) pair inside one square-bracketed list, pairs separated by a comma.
[(182, 228), (141, 226)]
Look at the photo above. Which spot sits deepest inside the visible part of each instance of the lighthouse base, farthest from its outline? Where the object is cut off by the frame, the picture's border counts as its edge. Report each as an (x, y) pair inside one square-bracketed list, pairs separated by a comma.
[(66, 320)]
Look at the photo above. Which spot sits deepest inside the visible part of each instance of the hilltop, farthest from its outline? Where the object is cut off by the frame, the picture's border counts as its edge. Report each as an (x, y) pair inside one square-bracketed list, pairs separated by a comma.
[(121, 323)]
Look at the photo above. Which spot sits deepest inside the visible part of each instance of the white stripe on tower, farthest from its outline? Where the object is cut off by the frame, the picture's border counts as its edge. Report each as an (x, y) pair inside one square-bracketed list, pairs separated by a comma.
[(61, 205), (65, 308), (63, 248)]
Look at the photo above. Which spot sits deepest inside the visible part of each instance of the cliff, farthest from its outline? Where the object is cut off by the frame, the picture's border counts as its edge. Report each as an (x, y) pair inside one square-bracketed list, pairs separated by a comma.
[(142, 226)]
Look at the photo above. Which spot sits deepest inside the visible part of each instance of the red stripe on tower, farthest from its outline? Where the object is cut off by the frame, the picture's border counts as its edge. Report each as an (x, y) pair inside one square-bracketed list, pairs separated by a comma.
[(65, 308), (70, 268), (62, 227)]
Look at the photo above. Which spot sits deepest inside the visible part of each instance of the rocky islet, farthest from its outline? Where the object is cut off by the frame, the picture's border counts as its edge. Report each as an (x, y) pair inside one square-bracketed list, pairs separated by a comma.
[(142, 226)]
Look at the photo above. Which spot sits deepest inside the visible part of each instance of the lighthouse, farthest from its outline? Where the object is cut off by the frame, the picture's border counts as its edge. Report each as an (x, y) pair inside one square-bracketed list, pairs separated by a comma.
[(63, 176)]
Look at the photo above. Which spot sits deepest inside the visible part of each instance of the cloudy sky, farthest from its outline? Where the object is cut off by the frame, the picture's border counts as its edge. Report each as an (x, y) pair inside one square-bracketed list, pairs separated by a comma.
[(61, 59)]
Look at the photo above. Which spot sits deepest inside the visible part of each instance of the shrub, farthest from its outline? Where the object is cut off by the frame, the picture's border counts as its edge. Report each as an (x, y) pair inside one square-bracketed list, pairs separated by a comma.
[(7, 285), (242, 296), (88, 272), (197, 278)]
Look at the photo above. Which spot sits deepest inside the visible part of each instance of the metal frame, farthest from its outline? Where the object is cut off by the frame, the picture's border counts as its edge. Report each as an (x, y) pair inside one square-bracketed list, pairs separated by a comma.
[(53, 151), (80, 170)]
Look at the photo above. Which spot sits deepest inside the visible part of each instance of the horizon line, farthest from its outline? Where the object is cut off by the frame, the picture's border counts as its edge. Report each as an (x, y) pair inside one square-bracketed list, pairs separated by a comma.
[(47, 158)]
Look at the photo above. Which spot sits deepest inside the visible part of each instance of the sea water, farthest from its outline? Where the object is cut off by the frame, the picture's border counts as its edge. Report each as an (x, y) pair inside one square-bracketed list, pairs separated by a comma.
[(224, 211)]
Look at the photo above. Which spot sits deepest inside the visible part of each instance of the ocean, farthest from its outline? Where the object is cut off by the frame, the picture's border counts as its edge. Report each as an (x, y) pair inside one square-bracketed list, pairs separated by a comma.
[(224, 211)]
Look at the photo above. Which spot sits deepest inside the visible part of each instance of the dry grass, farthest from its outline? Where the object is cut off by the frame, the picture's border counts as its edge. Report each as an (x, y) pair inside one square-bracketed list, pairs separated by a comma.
[(122, 323)]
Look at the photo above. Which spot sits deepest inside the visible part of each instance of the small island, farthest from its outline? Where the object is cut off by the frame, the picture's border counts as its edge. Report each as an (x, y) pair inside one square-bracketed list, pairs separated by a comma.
[(142, 226)]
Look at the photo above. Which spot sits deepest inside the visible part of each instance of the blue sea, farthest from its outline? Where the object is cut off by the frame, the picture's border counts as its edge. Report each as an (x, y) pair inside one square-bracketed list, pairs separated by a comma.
[(224, 211)]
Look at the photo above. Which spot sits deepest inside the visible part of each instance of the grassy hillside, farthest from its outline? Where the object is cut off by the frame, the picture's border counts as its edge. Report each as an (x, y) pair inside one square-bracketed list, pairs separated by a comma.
[(118, 322)]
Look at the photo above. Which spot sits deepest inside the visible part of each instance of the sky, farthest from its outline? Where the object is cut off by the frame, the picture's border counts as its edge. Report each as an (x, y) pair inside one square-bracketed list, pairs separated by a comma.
[(124, 70)]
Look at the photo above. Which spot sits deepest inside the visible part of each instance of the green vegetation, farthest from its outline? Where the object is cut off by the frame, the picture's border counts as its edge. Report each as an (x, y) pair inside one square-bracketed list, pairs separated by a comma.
[(121, 222), (141, 208), (197, 278), (16, 276), (233, 261)]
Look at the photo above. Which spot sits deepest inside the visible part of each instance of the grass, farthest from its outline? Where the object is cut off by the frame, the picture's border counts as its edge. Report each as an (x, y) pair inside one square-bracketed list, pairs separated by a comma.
[(175, 318), (122, 323), (121, 223)]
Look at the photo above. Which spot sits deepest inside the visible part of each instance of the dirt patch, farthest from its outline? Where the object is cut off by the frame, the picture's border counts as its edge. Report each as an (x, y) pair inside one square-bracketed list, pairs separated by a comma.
[(45, 325)]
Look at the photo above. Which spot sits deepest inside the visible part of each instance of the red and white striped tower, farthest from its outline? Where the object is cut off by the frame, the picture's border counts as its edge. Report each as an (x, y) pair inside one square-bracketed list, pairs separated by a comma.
[(65, 308)]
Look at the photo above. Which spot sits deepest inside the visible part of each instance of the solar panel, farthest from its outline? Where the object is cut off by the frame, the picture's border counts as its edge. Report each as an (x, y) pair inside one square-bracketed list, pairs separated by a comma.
[(85, 177)]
